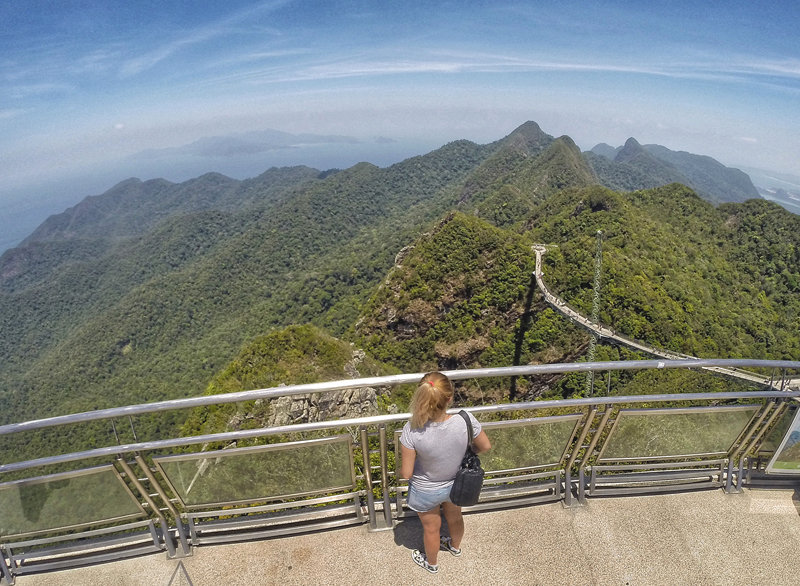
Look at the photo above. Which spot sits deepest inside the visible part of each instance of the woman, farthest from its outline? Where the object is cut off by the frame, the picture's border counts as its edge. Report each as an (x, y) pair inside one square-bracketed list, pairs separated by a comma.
[(432, 446)]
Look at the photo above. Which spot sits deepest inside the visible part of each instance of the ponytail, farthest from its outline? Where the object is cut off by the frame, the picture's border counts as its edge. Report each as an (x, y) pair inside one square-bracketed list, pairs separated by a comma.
[(433, 394)]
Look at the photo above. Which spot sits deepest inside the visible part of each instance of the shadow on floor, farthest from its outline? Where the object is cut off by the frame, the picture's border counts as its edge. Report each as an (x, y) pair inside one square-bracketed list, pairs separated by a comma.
[(408, 532), (796, 500)]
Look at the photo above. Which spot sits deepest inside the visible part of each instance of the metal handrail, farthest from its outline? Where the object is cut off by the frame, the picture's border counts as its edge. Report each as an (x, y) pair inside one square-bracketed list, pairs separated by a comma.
[(381, 419), (275, 392), (528, 488)]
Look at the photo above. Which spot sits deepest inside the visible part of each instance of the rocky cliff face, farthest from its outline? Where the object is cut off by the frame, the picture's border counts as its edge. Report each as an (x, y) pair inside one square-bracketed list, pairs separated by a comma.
[(344, 404), (295, 355)]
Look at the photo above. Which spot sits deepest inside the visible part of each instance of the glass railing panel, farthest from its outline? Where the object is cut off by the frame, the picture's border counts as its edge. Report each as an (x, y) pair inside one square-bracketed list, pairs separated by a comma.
[(657, 434), (523, 444), (67, 500), (260, 473), (778, 431), (787, 458), (528, 443)]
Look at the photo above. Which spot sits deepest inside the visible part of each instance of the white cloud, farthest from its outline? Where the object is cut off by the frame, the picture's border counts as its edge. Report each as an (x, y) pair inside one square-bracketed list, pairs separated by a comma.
[(226, 26)]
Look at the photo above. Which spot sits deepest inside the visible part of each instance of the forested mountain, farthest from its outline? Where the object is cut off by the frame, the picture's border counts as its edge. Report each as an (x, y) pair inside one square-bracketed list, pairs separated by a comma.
[(633, 166), (708, 176), (158, 314), (294, 355), (149, 291)]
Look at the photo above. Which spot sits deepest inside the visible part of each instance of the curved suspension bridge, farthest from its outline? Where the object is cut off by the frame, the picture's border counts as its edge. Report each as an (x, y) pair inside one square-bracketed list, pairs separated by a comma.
[(609, 334)]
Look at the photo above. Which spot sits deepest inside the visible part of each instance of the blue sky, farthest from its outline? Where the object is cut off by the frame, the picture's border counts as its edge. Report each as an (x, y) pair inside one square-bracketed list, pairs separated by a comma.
[(86, 84)]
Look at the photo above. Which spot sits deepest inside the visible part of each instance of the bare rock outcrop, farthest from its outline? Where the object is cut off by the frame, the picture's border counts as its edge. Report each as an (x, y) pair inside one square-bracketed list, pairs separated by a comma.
[(328, 406)]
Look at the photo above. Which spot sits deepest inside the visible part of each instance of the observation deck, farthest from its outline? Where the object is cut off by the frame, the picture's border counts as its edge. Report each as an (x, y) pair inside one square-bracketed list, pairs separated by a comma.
[(321, 503)]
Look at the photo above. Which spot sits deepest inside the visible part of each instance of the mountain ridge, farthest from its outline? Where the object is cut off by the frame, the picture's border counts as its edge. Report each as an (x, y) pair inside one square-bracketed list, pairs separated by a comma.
[(631, 168), (95, 318)]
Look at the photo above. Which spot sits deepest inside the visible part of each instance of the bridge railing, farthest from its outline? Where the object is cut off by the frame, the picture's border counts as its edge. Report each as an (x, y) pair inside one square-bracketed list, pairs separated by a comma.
[(171, 495)]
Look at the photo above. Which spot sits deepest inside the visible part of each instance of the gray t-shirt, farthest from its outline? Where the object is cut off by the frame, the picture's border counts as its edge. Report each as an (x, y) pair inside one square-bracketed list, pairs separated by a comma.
[(440, 447)]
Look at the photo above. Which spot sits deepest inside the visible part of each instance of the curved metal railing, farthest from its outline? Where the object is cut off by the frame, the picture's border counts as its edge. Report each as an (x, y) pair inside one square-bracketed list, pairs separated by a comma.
[(141, 499)]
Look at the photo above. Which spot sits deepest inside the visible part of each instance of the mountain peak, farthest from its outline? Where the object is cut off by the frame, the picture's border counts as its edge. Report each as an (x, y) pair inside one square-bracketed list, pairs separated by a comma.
[(528, 137), (606, 150), (631, 149)]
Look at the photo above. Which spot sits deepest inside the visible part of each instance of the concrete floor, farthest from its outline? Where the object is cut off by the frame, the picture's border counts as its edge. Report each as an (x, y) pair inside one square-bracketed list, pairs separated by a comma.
[(693, 538)]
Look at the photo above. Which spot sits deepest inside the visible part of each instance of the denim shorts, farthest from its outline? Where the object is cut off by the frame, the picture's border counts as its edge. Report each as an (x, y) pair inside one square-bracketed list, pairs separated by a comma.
[(423, 501)]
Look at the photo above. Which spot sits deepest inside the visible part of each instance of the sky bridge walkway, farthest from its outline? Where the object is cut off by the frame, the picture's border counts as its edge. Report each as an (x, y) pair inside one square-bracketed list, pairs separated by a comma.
[(611, 335), (321, 502)]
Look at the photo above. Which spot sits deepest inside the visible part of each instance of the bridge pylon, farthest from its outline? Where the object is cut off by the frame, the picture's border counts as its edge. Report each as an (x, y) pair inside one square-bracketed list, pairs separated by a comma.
[(595, 317)]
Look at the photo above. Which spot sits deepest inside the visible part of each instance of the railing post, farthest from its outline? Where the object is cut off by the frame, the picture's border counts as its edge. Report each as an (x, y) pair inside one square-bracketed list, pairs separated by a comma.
[(590, 448), (178, 519), (581, 487), (387, 502), (568, 488), (373, 525), (577, 448), (164, 525), (729, 477), (739, 476), (745, 445)]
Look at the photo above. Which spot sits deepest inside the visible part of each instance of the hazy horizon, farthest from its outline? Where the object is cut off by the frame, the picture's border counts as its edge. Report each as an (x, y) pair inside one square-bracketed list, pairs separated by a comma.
[(85, 88)]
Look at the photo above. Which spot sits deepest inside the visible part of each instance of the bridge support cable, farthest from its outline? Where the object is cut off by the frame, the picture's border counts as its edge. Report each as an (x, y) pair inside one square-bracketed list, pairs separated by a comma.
[(595, 317)]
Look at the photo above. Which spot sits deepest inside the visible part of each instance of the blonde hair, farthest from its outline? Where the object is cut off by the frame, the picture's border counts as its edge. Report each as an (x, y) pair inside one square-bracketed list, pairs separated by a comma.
[(433, 394)]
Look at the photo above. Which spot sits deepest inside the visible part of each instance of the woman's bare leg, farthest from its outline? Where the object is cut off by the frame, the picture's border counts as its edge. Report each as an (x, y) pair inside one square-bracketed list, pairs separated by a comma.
[(455, 521), (431, 525)]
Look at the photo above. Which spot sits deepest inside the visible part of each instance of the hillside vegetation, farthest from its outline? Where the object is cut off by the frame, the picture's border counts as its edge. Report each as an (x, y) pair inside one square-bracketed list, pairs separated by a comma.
[(112, 303), (294, 355), (159, 314)]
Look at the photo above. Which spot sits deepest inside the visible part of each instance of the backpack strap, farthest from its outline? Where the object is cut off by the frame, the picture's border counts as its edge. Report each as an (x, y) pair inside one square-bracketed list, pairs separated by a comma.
[(469, 428)]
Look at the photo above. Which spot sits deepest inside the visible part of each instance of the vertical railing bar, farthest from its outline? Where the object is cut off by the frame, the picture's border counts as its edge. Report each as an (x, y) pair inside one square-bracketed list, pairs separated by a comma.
[(771, 378), (164, 526), (368, 478), (178, 519), (133, 431), (587, 425), (114, 428), (357, 504), (567, 487), (192, 530), (740, 475), (154, 534), (729, 477), (783, 379), (608, 388), (764, 428), (387, 502)]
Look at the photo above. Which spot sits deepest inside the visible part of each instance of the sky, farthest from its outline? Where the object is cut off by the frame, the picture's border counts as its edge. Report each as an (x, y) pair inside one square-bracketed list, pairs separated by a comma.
[(86, 85)]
